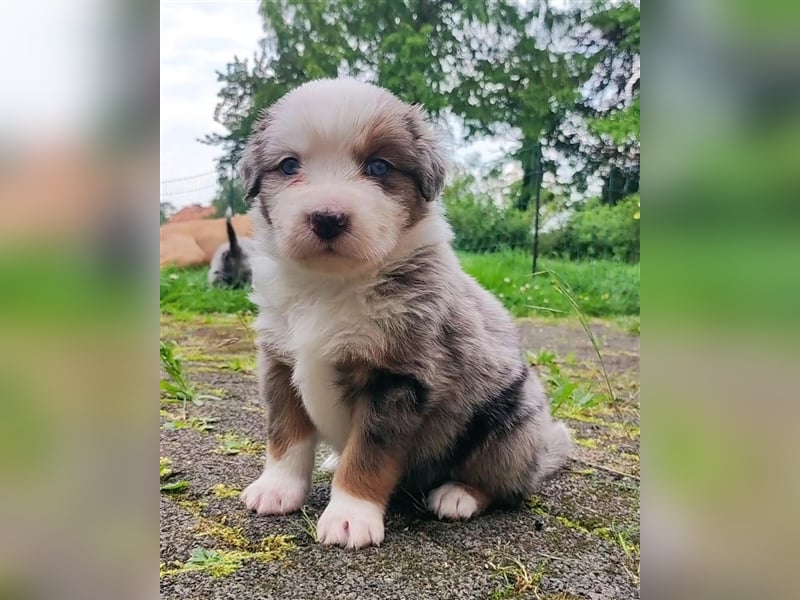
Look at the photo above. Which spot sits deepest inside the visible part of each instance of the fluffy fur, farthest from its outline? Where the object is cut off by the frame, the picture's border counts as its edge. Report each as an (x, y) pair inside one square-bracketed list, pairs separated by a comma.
[(230, 265), (375, 340)]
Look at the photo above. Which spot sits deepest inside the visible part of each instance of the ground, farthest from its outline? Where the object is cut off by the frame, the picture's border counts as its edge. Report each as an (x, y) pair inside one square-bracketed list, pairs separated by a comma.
[(576, 537)]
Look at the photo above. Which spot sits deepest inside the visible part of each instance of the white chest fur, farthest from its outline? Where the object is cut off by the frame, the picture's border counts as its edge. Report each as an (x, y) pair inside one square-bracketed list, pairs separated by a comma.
[(313, 321)]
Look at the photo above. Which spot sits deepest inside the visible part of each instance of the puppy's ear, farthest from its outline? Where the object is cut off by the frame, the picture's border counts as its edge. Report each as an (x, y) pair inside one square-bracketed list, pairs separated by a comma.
[(433, 164), (249, 165)]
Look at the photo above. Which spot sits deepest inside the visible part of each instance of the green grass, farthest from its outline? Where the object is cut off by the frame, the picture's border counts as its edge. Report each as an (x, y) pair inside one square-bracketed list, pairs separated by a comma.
[(176, 389), (602, 288), (188, 291)]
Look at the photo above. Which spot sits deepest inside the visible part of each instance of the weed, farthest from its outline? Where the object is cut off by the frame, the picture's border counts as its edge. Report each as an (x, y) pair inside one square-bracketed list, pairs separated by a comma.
[(164, 472), (242, 364), (223, 491), (231, 443), (544, 358), (562, 287), (176, 388), (201, 424), (164, 469), (567, 397), (221, 563), (516, 577), (176, 487), (309, 524)]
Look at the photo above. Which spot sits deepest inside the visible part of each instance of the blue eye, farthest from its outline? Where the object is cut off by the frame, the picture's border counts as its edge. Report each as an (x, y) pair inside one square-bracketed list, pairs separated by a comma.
[(289, 166), (378, 168)]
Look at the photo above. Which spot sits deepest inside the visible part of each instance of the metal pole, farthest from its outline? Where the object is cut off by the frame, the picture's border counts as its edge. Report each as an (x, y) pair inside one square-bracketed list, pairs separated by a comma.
[(538, 172), (231, 190)]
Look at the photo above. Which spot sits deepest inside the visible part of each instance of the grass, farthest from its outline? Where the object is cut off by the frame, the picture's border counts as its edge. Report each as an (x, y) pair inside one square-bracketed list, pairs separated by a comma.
[(175, 388), (188, 291), (603, 288)]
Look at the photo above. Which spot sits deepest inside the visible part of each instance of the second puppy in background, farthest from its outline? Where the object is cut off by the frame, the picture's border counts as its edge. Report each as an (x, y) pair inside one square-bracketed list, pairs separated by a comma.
[(230, 265)]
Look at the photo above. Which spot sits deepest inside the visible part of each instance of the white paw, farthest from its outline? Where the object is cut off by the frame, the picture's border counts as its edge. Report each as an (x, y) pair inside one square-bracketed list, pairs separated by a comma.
[(350, 522), (330, 463), (272, 495), (453, 501)]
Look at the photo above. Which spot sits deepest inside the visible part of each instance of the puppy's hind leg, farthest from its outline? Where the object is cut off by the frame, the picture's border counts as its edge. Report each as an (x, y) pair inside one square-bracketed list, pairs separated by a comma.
[(291, 442), (511, 444)]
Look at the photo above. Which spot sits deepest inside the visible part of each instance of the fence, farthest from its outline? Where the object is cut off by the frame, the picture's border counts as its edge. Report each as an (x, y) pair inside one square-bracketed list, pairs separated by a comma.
[(186, 191)]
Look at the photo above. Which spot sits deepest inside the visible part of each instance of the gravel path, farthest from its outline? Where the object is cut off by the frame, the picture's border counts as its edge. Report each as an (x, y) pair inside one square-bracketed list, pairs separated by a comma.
[(577, 537)]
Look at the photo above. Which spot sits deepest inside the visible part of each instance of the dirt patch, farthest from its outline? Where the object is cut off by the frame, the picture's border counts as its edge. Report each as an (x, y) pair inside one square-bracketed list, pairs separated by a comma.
[(577, 537)]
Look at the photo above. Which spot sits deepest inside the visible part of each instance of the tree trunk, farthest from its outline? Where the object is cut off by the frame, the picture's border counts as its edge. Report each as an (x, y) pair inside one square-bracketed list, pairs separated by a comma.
[(530, 177)]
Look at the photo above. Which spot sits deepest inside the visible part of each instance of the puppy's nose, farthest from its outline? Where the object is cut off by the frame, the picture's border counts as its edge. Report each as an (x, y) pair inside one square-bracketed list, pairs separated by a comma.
[(328, 225)]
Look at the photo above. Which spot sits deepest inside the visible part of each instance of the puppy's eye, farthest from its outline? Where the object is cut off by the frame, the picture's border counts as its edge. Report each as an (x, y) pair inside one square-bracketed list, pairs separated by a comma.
[(378, 167), (289, 166)]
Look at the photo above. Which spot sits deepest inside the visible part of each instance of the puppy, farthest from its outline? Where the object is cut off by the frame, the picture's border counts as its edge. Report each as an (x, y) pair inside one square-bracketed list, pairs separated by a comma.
[(230, 265), (369, 335)]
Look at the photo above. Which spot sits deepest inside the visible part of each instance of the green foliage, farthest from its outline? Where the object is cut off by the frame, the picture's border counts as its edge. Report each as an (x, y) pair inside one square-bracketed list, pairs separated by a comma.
[(598, 230), (176, 388), (479, 224), (231, 193), (167, 209), (165, 472)]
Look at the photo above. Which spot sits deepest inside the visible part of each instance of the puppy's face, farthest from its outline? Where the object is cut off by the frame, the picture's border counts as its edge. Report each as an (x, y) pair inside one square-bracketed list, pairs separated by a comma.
[(339, 171)]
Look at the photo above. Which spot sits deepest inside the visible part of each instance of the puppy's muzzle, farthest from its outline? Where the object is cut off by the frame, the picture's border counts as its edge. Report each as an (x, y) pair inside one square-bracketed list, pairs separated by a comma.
[(328, 225)]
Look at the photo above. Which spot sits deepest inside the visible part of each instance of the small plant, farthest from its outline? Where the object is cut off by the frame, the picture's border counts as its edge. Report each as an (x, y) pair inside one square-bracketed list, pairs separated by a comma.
[(164, 472), (564, 393), (175, 487), (223, 491), (231, 443), (176, 387), (545, 358), (242, 365), (516, 577), (201, 424), (220, 563), (309, 524)]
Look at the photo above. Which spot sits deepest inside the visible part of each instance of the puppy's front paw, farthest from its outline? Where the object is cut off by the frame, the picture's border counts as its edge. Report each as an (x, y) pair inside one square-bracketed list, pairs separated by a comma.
[(455, 501), (350, 522), (270, 495)]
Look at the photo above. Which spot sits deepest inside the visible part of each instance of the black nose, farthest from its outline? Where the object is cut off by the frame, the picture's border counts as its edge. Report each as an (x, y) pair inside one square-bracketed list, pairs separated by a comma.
[(328, 225)]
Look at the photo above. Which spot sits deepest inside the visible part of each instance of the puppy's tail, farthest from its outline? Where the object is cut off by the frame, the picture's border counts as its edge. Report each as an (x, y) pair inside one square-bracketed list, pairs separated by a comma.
[(554, 448), (233, 245)]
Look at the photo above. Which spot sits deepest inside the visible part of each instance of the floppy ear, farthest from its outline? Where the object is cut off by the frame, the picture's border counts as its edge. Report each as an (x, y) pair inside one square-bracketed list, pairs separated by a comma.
[(249, 165), (432, 163)]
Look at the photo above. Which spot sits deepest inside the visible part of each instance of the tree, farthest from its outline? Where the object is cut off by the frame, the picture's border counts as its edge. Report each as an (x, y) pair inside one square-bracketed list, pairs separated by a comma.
[(494, 63), (500, 65), (167, 210), (605, 132), (231, 194)]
